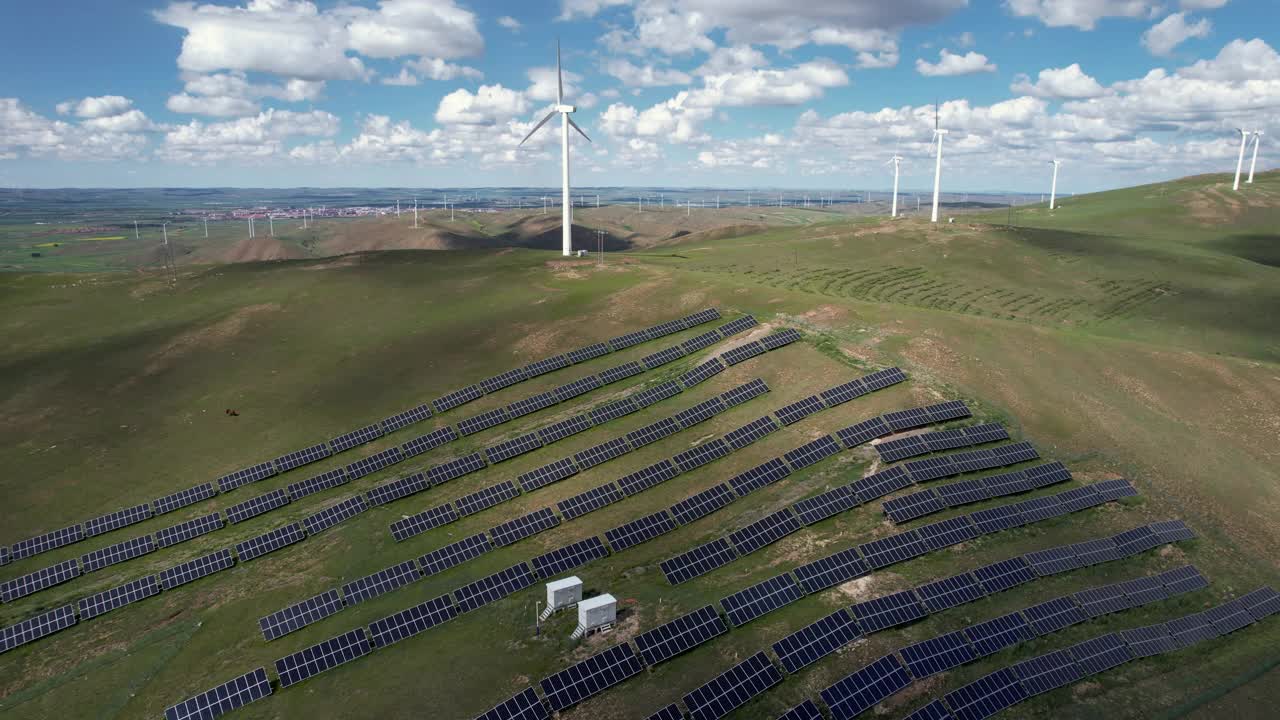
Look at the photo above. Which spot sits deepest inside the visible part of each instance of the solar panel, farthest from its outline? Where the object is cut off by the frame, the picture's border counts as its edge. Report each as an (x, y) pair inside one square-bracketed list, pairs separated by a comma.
[(601, 453), (5, 558), (764, 597), (117, 553), (380, 583), (900, 448), (844, 392), (662, 357), (933, 711), (964, 492), (589, 677), (248, 475), (589, 352), (513, 447), (750, 432), (237, 693), (569, 557), (1081, 498), (779, 339), (759, 476), (577, 387), (454, 554), (703, 503), (950, 592), (732, 688), (987, 695), (652, 432), (887, 611), (1048, 672), (547, 474), (117, 597), (522, 527), (1261, 603), (908, 419), (430, 441), (933, 468), (877, 485), (270, 541), (293, 669), (641, 530), (765, 531), (305, 456), (505, 380), (1101, 653), (406, 418), (657, 393), (1183, 579), (523, 706), (1092, 552), (195, 569), (670, 712), (1171, 531), (999, 518), (647, 477), (1137, 540), (861, 690), (863, 432), (346, 441), (736, 326), (1229, 617), (996, 634), (493, 588), (804, 711), (706, 339), (1102, 600), (893, 549), (742, 353), (299, 615), (820, 507), (169, 503), (884, 378), (633, 338), (1148, 641), (1191, 629), (696, 457), (374, 463), (745, 392), (1053, 615), (116, 520), (702, 373), (611, 411), (704, 410), (334, 514), (946, 533), (456, 468), (1048, 474), (684, 633), (816, 640), (620, 372), (1041, 508), (938, 654), (1053, 561), (186, 530), (1009, 483), (534, 403), (330, 479), (589, 501), (799, 410), (456, 398), (698, 561), (416, 524), (1005, 574), (702, 316), (254, 507), (542, 367), (811, 452), (483, 421), (831, 570), (915, 505), (411, 621), (398, 488), (1143, 590), (486, 498)]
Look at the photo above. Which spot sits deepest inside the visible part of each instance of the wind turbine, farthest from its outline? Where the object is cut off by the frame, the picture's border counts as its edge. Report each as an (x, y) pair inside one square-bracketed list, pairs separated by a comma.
[(566, 202), (1053, 188), (937, 170), (897, 163), (1244, 138), (1257, 137)]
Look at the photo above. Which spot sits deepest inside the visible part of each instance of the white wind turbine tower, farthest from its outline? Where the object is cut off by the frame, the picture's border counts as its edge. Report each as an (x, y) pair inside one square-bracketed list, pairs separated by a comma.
[(1257, 137), (1053, 187), (566, 202), (897, 164), (937, 170), (1244, 138)]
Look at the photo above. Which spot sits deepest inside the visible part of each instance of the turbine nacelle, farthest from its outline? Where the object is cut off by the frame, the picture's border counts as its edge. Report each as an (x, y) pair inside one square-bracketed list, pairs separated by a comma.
[(564, 109)]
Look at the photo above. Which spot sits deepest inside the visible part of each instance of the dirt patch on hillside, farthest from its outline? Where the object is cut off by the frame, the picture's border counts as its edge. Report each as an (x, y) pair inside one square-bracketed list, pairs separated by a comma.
[(261, 249), (212, 335)]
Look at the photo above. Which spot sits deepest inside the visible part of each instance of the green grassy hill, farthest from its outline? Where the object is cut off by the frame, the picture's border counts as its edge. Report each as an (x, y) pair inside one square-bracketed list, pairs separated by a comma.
[(1126, 334)]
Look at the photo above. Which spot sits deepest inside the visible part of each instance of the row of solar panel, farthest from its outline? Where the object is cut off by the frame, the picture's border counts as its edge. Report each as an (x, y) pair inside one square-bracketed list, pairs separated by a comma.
[(926, 443), (289, 461), (931, 500)]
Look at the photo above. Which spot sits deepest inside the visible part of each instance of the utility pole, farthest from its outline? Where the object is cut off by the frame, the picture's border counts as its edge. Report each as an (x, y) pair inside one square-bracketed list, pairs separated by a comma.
[(600, 242)]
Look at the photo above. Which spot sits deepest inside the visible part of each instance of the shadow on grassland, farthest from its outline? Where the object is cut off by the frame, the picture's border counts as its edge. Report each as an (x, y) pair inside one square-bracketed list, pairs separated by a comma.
[(1257, 248)]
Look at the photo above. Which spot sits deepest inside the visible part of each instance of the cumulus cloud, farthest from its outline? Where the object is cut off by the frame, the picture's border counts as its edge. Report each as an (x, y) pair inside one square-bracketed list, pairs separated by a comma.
[(488, 105), (95, 107), (950, 63), (632, 75), (1070, 83), (99, 137), (790, 86), (1082, 14), (510, 23), (734, 58), (258, 137), (1172, 31)]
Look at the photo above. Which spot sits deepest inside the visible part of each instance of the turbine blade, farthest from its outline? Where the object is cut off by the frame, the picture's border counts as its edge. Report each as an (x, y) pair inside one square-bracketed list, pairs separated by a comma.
[(575, 127), (535, 127), (559, 76)]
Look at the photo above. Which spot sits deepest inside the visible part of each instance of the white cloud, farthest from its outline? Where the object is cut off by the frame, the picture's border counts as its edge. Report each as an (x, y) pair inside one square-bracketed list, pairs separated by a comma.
[(965, 39), (130, 121), (487, 106), (95, 107), (1239, 61), (1082, 14), (791, 86), (543, 84), (403, 79), (245, 139), (644, 76), (1202, 4), (411, 27), (101, 138), (570, 9), (732, 59), (230, 94), (509, 23), (1069, 82), (675, 121), (216, 106), (1172, 31), (950, 63), (439, 69)]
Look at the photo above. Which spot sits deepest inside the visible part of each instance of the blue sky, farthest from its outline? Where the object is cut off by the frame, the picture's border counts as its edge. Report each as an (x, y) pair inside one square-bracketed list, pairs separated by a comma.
[(754, 93)]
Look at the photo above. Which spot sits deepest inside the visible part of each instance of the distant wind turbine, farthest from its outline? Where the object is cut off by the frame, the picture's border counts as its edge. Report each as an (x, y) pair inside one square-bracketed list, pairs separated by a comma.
[(566, 203), (1053, 187), (1244, 138), (897, 162), (937, 170), (1257, 137)]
